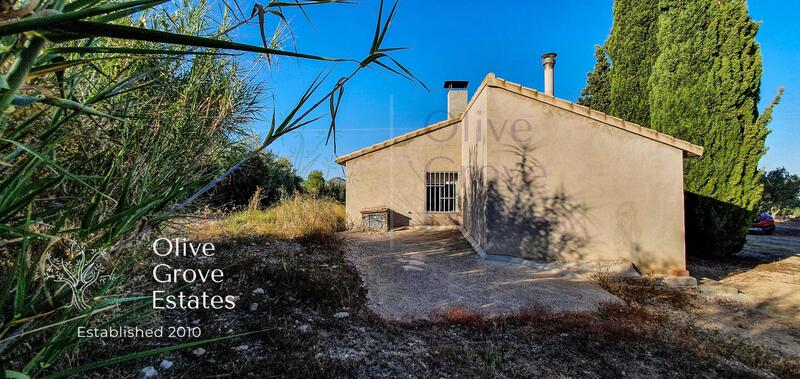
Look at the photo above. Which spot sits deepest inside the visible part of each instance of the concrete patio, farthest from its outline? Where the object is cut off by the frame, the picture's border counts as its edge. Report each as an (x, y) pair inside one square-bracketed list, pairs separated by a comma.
[(412, 274)]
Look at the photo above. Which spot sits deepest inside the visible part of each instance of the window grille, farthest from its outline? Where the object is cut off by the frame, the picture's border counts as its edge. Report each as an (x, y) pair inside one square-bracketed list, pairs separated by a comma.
[(441, 195)]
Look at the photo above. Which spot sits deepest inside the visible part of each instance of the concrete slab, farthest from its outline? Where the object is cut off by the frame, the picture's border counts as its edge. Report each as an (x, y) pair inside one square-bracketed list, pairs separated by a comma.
[(413, 274)]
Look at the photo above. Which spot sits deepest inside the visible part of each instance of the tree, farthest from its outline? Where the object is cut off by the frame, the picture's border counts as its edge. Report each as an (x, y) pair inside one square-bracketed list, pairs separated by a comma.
[(705, 89), (315, 183), (632, 49), (336, 190), (275, 176), (781, 191), (597, 93)]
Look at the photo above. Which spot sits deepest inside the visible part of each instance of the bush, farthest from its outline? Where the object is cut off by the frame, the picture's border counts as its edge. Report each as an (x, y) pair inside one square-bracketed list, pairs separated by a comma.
[(274, 175), (713, 228), (316, 185)]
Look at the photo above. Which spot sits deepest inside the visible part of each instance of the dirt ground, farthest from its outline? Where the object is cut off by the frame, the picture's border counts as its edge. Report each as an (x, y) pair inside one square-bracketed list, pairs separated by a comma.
[(767, 271), (767, 274), (415, 274), (313, 321)]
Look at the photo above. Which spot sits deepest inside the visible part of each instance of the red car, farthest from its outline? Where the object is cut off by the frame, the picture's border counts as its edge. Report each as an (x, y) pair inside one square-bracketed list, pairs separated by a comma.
[(764, 224)]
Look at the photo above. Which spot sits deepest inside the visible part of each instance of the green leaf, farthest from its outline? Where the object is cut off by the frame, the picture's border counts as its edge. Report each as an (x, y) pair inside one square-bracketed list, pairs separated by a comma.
[(86, 29), (55, 166), (37, 23), (78, 4), (15, 375), (125, 50), (61, 103)]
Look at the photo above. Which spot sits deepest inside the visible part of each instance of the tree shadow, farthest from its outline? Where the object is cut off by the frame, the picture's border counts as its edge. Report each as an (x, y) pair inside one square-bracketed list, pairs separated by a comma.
[(473, 205), (524, 218)]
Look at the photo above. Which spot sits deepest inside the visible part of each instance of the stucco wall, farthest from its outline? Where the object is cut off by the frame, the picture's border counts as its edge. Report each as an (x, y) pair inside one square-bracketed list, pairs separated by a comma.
[(473, 179), (395, 177), (560, 185)]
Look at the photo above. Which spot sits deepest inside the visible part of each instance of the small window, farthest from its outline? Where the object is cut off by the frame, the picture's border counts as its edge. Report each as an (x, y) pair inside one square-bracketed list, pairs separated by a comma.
[(440, 192)]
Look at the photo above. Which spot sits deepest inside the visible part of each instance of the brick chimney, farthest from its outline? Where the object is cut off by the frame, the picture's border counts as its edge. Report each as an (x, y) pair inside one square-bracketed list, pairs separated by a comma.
[(457, 98)]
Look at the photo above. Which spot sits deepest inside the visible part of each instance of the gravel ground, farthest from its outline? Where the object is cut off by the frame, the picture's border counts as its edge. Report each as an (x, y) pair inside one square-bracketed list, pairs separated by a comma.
[(415, 274)]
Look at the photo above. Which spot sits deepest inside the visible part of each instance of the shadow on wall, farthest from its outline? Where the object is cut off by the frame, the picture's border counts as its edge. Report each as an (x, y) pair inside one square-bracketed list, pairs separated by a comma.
[(527, 220), (474, 200), (628, 237)]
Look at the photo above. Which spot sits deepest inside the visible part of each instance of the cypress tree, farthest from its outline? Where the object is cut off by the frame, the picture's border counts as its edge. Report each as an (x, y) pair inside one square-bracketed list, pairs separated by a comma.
[(597, 93), (705, 88), (633, 49)]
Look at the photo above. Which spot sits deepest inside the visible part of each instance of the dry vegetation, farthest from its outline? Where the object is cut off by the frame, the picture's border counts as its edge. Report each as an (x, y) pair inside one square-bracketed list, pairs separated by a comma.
[(308, 280), (292, 252), (295, 217)]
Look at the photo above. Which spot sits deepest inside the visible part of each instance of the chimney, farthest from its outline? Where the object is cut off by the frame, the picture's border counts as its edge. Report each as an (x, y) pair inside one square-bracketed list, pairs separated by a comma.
[(457, 99), (549, 64)]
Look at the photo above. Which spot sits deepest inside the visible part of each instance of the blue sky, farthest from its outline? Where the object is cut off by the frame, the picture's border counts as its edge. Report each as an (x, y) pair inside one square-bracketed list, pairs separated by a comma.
[(464, 40)]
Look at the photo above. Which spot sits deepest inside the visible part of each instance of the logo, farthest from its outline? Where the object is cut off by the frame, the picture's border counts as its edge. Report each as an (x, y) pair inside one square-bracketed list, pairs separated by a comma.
[(79, 274)]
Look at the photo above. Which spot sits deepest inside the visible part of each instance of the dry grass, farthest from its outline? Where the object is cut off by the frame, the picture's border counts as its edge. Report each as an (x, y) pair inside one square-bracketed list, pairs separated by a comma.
[(296, 217), (461, 316), (643, 291)]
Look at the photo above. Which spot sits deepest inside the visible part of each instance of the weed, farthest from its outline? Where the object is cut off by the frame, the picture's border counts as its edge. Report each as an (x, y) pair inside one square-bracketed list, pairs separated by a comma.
[(461, 316), (296, 217), (643, 291)]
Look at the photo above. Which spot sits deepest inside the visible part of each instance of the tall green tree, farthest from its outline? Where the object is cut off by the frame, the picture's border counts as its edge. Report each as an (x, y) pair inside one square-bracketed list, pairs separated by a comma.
[(314, 183), (597, 94), (705, 88), (781, 191), (633, 49)]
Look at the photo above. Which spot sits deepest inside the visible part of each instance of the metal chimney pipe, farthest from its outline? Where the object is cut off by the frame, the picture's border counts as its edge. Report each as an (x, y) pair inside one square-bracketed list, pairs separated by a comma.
[(549, 65)]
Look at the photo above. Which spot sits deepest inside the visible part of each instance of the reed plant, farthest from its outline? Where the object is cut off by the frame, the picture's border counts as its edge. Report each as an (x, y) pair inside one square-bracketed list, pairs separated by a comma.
[(115, 116)]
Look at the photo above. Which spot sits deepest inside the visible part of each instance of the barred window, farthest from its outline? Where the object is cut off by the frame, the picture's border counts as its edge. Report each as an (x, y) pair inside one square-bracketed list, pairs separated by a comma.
[(440, 192)]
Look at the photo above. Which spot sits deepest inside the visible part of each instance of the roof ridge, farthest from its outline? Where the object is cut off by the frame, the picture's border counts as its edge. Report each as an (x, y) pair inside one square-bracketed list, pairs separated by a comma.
[(400, 138), (596, 115), (492, 80)]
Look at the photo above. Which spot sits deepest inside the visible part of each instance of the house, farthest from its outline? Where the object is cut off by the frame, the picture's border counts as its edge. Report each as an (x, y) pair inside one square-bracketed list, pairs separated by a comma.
[(525, 174)]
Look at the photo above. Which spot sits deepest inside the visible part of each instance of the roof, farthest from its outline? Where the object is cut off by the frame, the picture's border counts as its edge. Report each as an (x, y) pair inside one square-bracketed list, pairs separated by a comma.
[(398, 139), (689, 149), (382, 209)]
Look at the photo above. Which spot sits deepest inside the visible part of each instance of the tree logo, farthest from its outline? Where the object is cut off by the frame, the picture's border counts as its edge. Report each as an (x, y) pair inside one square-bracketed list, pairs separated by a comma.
[(78, 274)]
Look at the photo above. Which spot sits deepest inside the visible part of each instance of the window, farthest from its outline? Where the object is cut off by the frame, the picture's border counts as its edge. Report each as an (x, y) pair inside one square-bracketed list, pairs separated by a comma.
[(440, 192)]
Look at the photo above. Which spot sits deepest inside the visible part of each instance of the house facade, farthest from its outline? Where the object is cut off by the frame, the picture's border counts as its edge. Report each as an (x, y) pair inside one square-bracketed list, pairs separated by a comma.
[(528, 175)]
